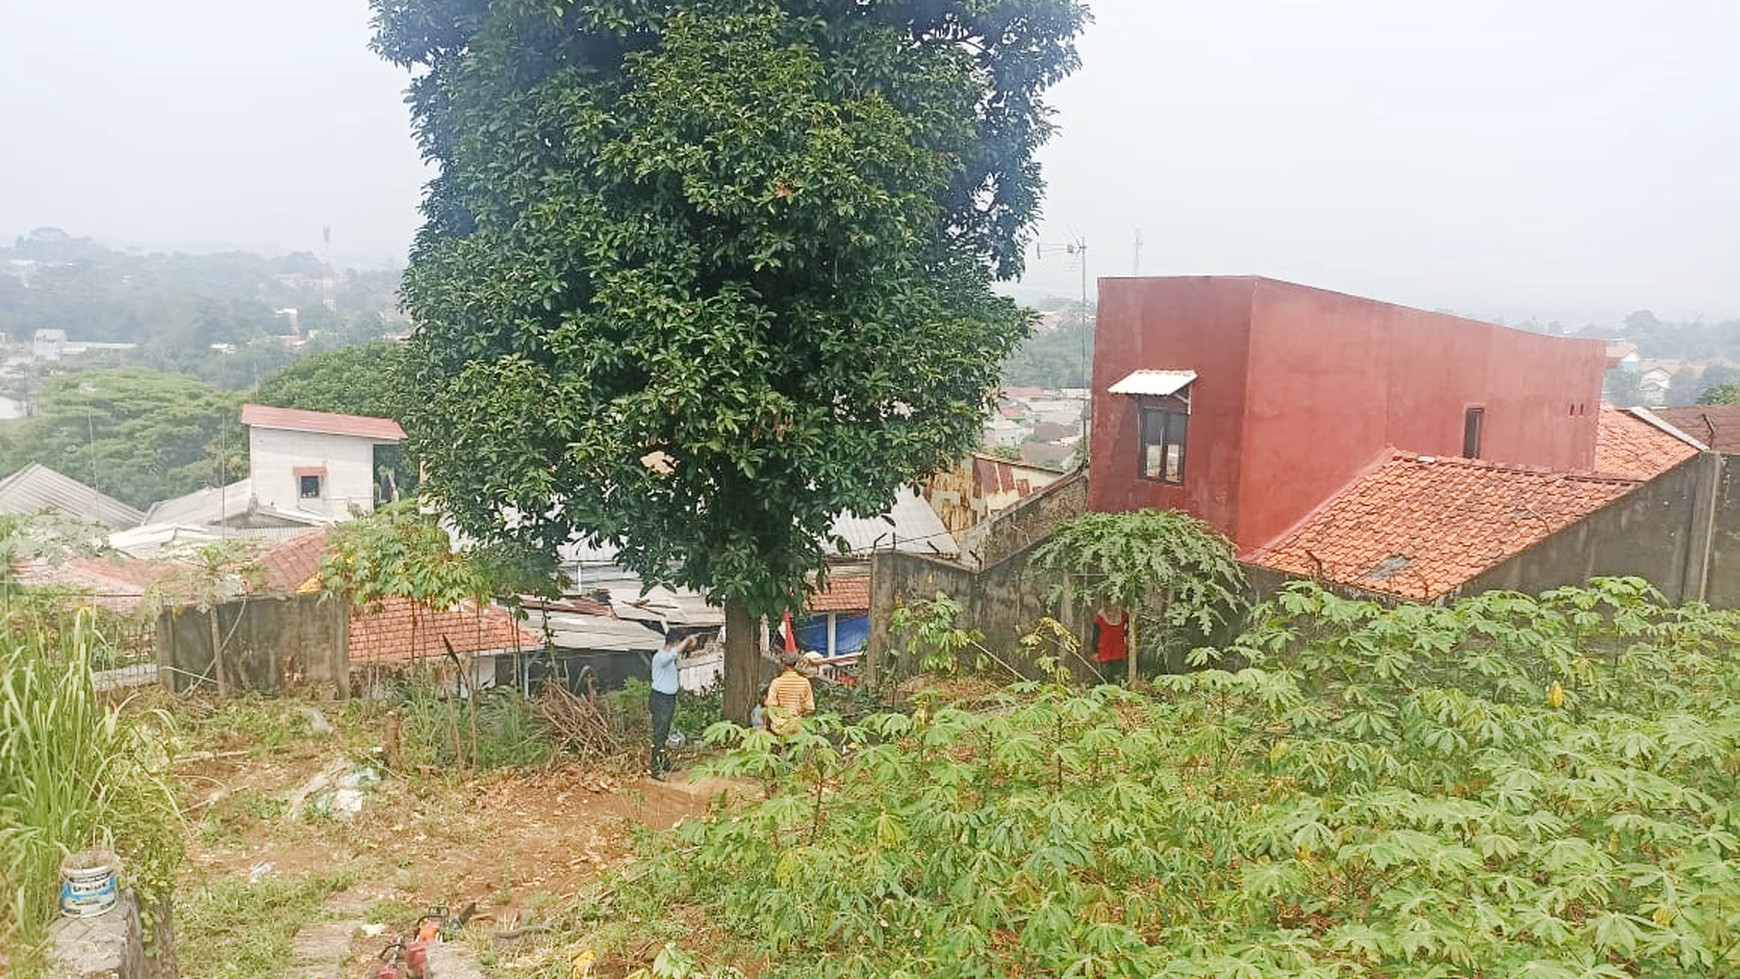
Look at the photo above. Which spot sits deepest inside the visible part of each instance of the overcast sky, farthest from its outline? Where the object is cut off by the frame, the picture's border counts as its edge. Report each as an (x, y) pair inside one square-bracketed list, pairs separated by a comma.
[(1556, 159)]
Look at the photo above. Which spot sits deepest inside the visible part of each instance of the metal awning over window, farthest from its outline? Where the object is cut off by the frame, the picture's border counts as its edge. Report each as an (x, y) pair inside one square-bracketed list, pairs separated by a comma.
[(1155, 384)]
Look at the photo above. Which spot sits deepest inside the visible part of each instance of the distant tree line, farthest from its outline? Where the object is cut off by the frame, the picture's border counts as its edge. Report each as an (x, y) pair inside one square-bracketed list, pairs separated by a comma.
[(177, 306), (1060, 358)]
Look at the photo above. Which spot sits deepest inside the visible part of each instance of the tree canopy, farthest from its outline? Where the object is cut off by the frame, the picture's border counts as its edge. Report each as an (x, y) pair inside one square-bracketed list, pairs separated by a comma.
[(695, 277), (1720, 394), (137, 435), (359, 380)]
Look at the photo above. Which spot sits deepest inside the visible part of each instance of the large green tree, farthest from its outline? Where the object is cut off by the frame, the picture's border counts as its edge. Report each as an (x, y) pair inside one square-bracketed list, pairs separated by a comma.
[(137, 435), (697, 276)]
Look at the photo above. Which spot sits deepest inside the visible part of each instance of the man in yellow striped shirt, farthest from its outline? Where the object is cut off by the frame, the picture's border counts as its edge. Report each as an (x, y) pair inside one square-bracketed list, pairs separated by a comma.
[(789, 697)]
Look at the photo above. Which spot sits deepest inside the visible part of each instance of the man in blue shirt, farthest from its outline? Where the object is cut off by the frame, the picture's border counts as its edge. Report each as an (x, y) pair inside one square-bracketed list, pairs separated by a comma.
[(663, 699)]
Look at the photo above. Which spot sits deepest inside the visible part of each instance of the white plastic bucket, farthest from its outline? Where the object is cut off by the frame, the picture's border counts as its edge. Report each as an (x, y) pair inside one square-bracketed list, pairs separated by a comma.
[(89, 884)]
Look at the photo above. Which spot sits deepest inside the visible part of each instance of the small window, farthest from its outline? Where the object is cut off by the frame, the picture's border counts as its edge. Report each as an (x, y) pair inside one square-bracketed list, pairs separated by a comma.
[(1471, 422), (308, 487), (1163, 437)]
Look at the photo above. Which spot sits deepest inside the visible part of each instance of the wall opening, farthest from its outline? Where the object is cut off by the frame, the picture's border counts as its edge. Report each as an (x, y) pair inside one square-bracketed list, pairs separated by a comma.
[(1471, 423)]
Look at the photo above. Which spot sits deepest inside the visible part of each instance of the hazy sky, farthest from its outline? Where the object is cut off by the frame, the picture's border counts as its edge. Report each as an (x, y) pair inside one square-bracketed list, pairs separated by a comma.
[(1570, 159)]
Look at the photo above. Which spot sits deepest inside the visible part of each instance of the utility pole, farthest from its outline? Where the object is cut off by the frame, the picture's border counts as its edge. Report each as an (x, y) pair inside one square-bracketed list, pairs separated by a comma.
[(1136, 258)]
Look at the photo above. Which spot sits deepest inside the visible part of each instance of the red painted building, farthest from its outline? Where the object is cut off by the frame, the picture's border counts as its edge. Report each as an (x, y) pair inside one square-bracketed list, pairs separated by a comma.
[(1249, 402)]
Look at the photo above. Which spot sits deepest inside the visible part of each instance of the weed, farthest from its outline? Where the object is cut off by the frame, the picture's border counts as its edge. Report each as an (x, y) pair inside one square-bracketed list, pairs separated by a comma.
[(232, 929), (393, 912), (496, 728)]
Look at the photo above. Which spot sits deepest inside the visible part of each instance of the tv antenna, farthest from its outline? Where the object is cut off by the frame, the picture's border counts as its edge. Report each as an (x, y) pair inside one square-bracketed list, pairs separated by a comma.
[(1078, 250)]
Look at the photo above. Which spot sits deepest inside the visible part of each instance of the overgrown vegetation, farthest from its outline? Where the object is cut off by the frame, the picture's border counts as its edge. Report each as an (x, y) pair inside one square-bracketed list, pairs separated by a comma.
[(1510, 786), (1171, 574), (496, 728), (75, 772), (233, 929)]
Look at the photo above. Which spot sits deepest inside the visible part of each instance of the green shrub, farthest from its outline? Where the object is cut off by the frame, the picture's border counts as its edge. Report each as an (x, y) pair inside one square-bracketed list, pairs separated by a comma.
[(75, 772), (1510, 786)]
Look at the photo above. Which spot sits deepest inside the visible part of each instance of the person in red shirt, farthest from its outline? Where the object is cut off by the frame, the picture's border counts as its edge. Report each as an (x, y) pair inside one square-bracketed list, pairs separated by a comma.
[(1110, 625)]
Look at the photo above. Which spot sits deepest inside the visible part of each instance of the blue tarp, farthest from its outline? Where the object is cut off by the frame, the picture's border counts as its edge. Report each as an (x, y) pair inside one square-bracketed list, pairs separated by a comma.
[(851, 632)]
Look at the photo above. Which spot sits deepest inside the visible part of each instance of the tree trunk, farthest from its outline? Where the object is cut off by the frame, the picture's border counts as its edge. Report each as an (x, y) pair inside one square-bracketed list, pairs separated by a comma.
[(742, 661), (1130, 646), (217, 654)]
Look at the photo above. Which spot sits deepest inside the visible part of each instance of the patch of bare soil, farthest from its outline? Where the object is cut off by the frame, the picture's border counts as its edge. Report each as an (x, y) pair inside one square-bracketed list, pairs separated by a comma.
[(517, 845)]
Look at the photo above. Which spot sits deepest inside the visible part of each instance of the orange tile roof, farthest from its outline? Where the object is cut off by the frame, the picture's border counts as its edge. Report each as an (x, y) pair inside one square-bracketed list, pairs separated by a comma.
[(118, 582), (291, 566), (845, 593), (1631, 447), (1420, 527), (389, 632)]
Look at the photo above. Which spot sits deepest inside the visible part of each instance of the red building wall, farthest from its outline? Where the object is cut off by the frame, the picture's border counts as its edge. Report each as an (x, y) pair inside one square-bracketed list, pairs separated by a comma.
[(1300, 389), (1201, 324)]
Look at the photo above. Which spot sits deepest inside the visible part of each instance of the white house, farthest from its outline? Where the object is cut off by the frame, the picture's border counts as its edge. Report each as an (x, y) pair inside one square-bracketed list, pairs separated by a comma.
[(314, 462)]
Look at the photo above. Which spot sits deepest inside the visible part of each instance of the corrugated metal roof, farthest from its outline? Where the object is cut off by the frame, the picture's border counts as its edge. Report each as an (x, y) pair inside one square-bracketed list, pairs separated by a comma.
[(37, 488), (664, 606), (572, 630), (1155, 383), (150, 540), (322, 422), (233, 505), (910, 525)]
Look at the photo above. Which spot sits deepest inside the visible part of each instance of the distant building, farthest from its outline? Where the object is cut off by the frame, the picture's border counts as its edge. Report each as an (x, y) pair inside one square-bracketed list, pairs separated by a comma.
[(48, 345), (1004, 433)]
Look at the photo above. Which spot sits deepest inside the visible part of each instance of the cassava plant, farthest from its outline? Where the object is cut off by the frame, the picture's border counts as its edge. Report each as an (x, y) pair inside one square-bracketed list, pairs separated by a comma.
[(1508, 786)]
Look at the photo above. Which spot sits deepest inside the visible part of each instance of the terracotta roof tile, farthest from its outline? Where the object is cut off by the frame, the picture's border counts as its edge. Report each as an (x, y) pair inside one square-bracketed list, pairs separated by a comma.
[(397, 630), (118, 583), (845, 593), (1631, 447), (294, 565), (1420, 527), (1717, 426)]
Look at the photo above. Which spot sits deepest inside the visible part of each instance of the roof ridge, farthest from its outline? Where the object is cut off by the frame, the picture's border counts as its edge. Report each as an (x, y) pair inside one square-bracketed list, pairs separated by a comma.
[(1520, 468)]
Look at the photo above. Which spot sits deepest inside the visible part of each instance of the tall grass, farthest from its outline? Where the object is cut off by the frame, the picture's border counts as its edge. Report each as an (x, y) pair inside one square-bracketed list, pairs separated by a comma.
[(492, 728), (75, 772)]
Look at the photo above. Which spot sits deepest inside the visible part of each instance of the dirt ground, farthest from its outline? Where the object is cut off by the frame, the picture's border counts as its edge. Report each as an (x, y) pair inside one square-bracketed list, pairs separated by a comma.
[(519, 846)]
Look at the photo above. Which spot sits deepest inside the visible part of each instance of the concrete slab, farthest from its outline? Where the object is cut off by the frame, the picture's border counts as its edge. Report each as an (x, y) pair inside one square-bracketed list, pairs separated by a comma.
[(109, 946), (321, 949)]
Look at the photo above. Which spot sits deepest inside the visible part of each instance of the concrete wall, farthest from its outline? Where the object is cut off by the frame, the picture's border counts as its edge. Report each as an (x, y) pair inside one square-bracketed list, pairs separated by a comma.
[(1298, 389), (1658, 532), (1723, 590), (274, 455), (1001, 599), (270, 644), (1026, 523), (112, 945)]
